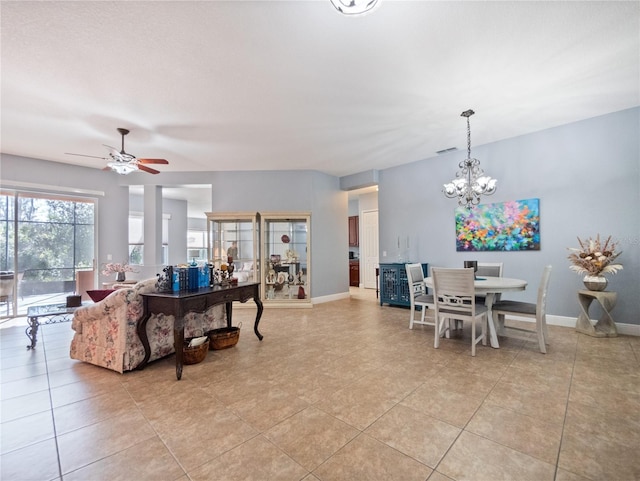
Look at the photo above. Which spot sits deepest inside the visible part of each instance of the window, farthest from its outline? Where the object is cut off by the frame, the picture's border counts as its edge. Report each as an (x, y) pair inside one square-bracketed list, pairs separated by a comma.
[(53, 236), (197, 245), (136, 238)]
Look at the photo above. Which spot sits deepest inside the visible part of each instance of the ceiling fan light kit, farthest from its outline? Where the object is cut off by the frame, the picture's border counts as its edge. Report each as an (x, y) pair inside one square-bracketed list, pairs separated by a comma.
[(354, 7), (124, 163)]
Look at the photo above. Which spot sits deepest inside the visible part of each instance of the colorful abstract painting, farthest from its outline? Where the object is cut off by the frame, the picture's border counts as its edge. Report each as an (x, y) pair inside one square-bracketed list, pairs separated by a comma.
[(503, 226)]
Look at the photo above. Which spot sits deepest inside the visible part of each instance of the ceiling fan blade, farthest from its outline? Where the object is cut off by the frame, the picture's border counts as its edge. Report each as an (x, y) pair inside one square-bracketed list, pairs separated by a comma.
[(153, 161), (83, 155), (148, 169)]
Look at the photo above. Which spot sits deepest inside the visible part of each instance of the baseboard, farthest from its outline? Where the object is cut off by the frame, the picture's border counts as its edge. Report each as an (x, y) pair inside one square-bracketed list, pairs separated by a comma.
[(330, 298), (565, 321)]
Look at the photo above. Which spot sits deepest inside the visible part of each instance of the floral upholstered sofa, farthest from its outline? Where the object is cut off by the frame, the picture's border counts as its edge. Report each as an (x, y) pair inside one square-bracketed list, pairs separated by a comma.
[(105, 332)]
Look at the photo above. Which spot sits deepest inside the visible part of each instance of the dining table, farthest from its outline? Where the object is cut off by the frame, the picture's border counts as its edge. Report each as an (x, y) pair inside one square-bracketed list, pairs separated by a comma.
[(490, 287)]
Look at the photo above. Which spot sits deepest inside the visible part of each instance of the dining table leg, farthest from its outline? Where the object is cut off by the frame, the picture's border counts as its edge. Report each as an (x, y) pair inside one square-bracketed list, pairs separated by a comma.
[(493, 336)]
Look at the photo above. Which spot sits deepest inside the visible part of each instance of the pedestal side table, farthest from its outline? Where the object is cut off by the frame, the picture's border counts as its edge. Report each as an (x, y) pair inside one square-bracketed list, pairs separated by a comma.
[(605, 327)]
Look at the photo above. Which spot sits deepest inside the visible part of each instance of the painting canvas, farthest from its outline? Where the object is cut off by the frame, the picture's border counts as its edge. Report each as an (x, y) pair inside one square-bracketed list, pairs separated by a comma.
[(503, 226)]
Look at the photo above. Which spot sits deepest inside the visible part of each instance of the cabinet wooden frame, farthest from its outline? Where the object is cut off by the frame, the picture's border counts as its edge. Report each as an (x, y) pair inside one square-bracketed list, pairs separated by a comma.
[(274, 226), (243, 228)]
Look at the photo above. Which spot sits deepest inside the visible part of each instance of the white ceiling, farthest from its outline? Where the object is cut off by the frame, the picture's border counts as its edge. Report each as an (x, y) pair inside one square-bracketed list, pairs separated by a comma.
[(270, 85)]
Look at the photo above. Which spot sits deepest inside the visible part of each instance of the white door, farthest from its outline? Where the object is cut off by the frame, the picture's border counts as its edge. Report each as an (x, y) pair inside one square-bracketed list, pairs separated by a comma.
[(369, 246)]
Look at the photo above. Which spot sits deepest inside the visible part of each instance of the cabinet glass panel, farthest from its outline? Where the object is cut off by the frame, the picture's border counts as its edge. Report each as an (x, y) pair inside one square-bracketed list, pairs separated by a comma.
[(234, 238), (285, 258)]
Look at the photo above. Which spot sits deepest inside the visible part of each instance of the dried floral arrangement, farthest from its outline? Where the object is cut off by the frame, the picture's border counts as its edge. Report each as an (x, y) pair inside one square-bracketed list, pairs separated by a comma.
[(595, 258), (114, 267)]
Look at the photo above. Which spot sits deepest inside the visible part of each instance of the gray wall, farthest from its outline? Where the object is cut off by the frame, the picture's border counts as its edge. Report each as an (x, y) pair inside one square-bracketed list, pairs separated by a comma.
[(587, 177), (178, 224), (299, 191), (112, 199), (304, 191)]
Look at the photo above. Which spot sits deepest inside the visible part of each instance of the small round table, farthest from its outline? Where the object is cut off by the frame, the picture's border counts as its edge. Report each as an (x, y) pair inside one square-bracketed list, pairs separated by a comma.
[(605, 327)]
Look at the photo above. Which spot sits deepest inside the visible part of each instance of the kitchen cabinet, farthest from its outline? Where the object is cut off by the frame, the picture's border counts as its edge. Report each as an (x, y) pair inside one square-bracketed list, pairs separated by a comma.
[(354, 273), (354, 227), (394, 286)]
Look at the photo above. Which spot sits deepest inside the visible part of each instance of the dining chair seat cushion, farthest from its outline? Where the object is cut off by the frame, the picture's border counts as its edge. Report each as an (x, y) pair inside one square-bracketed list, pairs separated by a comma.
[(453, 312), (424, 299), (515, 306)]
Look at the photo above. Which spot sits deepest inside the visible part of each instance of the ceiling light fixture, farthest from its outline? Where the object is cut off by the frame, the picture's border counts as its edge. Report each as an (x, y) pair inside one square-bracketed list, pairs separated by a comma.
[(470, 181), (354, 7), (122, 168)]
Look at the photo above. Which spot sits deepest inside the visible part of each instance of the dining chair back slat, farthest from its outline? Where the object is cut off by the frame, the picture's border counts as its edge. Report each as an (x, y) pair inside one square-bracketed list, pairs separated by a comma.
[(418, 296), (454, 294)]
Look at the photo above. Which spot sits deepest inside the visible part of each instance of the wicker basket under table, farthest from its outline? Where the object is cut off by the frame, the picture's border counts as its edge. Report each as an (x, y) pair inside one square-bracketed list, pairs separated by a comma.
[(223, 338), (194, 355)]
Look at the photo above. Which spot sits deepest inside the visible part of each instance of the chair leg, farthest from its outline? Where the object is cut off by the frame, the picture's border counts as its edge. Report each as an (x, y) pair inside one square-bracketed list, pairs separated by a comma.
[(541, 338), (544, 329), (473, 337), (485, 323), (411, 318)]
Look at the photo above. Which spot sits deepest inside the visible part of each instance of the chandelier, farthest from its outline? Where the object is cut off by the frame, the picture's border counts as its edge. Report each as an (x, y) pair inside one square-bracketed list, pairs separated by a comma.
[(470, 181), (354, 7)]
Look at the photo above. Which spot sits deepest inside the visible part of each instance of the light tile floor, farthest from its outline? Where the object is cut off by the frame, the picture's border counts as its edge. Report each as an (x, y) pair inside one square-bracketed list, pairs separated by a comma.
[(343, 391)]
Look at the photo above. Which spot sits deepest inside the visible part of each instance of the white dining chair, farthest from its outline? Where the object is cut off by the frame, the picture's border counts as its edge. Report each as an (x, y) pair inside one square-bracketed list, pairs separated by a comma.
[(489, 269), (454, 295), (537, 311), (418, 296)]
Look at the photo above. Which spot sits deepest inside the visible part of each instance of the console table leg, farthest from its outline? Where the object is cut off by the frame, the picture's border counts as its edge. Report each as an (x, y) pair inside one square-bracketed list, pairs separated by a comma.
[(229, 311), (144, 339), (32, 332), (258, 316), (178, 337)]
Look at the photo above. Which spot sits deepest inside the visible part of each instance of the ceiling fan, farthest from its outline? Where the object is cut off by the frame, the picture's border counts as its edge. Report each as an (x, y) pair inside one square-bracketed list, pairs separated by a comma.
[(123, 162)]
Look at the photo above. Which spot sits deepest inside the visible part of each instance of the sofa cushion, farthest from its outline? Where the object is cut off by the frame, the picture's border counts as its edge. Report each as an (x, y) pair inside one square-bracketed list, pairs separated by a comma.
[(97, 295)]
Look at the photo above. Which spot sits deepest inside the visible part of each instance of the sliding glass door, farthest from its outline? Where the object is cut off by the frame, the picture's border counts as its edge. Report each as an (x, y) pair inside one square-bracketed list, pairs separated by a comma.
[(53, 236)]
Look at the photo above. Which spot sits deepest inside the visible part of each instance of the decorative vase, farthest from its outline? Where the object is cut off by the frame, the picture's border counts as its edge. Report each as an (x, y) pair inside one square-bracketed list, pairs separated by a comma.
[(595, 283), (121, 277)]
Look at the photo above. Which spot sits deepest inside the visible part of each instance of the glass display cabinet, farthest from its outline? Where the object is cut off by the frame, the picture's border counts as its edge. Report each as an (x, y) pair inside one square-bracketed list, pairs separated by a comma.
[(234, 236), (285, 262)]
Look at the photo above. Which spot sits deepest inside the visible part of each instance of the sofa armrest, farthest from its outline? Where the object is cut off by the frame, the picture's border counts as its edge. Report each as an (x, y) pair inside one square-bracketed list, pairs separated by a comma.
[(95, 312)]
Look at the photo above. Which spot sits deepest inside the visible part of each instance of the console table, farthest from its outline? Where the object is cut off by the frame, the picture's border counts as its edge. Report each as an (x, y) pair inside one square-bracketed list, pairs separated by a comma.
[(177, 304), (605, 327)]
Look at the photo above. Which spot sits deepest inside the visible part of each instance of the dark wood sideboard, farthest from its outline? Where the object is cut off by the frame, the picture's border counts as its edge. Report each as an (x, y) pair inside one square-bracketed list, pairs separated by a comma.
[(178, 304)]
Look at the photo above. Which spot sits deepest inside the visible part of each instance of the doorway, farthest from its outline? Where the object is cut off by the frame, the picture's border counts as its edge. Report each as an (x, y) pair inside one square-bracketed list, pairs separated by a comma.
[(369, 247)]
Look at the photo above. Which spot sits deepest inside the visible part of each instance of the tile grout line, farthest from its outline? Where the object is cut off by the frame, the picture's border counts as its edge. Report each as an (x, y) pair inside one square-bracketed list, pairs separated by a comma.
[(566, 410), (464, 428), (53, 418)]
